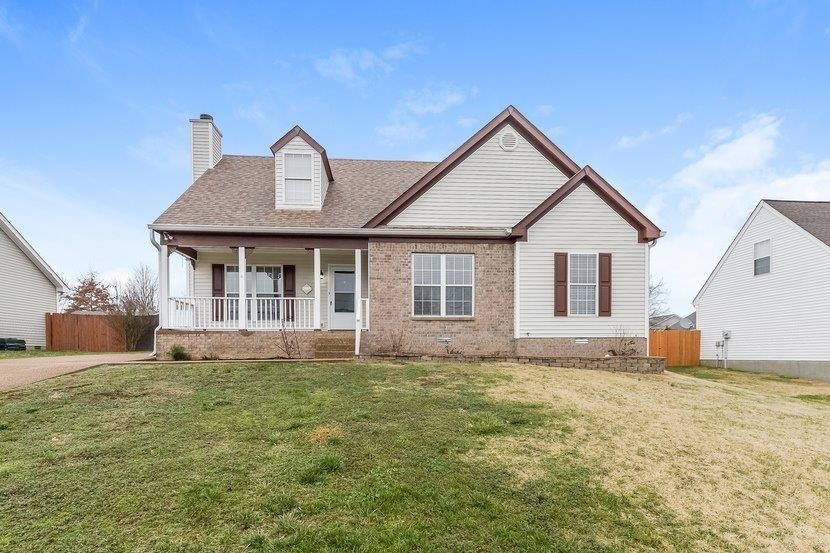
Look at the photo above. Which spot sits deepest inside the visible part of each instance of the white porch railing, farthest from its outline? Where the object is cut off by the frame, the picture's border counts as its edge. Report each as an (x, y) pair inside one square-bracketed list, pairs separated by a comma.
[(189, 313)]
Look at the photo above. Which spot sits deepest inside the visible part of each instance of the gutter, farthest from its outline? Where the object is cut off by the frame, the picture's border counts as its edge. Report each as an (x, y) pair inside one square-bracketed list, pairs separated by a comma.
[(484, 232), (156, 245)]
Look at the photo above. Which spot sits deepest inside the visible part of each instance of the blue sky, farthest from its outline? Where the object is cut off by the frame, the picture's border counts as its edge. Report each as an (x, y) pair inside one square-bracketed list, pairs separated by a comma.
[(695, 111)]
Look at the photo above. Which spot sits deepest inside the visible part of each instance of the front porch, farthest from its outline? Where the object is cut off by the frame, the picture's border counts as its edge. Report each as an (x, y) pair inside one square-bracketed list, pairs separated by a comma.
[(281, 288)]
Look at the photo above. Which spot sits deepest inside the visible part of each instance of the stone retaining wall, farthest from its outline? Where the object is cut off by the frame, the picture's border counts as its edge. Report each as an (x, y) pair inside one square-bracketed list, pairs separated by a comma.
[(652, 365)]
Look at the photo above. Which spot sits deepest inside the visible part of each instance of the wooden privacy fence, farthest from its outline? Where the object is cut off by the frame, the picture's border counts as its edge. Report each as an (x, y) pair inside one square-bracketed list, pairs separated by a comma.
[(73, 332), (679, 347)]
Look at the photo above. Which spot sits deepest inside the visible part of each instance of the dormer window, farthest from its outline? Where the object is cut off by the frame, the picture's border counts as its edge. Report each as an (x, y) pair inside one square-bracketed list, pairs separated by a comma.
[(298, 186)]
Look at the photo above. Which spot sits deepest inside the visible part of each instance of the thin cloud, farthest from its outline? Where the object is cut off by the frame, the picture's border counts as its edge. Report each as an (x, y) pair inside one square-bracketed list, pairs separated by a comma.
[(544, 110), (354, 66), (10, 30), (627, 141), (405, 121), (165, 150)]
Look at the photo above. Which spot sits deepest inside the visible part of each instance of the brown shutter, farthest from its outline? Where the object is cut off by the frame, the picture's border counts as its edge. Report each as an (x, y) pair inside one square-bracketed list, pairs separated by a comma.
[(605, 285), (560, 284), (218, 290), (289, 289)]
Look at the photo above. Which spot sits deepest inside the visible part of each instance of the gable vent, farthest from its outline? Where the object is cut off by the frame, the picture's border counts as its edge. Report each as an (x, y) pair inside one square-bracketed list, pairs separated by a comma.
[(508, 141)]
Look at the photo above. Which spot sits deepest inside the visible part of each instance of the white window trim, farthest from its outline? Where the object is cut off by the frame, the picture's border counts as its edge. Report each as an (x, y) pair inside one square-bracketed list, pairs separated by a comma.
[(596, 284), (285, 202), (443, 287), (754, 259)]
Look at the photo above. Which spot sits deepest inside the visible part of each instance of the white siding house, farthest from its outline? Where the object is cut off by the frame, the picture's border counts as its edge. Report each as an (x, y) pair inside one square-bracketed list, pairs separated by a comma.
[(770, 294), (582, 223), (29, 288)]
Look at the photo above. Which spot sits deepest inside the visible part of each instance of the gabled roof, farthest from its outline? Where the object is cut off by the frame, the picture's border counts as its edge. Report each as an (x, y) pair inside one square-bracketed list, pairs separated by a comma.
[(29, 251), (510, 116), (814, 217), (809, 213), (297, 131), (646, 230)]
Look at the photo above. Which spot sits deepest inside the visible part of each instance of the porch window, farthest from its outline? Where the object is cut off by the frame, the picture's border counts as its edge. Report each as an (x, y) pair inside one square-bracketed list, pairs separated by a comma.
[(582, 284), (261, 281), (297, 178), (442, 285)]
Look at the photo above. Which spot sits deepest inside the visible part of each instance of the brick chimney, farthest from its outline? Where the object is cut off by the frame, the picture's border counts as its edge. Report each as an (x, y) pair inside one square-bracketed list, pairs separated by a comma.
[(205, 145)]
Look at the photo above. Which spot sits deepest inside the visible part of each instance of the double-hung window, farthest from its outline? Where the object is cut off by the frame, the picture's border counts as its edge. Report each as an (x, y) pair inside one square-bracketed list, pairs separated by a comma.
[(442, 285), (298, 189), (762, 257), (582, 284)]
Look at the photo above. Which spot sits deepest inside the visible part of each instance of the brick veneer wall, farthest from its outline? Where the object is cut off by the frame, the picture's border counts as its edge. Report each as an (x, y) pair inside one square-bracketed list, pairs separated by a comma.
[(214, 344), (568, 347), (488, 332)]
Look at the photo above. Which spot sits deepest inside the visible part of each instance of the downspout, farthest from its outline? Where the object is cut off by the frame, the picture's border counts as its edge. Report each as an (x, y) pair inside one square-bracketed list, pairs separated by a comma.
[(156, 245), (648, 286)]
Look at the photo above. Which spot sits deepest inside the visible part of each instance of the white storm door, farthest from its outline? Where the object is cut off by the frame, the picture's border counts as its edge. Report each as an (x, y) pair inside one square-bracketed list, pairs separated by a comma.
[(341, 297)]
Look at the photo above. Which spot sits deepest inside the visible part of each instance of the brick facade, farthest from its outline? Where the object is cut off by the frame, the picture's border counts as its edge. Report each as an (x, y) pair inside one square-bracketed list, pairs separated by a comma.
[(488, 332), (235, 344), (568, 347)]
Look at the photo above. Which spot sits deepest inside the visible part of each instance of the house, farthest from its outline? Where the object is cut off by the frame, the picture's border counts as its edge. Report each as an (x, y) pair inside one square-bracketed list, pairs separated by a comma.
[(671, 321), (29, 288), (766, 305), (506, 247)]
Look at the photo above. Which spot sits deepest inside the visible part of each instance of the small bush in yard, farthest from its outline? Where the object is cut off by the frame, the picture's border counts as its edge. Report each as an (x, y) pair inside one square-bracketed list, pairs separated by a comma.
[(177, 353)]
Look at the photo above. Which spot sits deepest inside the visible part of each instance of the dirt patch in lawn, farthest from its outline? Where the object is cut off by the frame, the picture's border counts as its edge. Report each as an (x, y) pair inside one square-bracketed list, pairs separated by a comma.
[(747, 459)]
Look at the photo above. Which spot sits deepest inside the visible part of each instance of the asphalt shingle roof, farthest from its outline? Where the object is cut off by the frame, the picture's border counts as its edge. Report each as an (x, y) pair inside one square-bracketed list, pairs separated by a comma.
[(814, 217), (239, 191)]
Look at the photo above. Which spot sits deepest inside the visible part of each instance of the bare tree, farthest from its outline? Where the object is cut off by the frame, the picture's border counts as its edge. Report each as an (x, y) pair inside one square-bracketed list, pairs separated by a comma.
[(657, 297), (90, 294), (622, 343), (134, 306)]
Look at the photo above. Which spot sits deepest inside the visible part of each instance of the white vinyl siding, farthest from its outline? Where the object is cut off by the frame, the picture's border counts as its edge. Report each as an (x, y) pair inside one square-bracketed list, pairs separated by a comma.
[(298, 146), (492, 188), (783, 315), (26, 295), (582, 223), (206, 146), (304, 267)]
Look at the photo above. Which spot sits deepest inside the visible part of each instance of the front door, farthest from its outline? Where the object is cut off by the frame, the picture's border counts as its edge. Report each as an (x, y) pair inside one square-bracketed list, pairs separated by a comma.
[(341, 297)]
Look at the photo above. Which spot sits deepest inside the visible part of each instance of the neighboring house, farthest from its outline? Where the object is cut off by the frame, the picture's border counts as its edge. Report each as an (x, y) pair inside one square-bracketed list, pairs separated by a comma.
[(29, 288), (506, 247), (671, 321), (766, 305)]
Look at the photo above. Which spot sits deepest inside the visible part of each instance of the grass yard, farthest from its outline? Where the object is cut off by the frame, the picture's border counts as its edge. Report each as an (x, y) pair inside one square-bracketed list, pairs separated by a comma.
[(5, 354), (402, 457)]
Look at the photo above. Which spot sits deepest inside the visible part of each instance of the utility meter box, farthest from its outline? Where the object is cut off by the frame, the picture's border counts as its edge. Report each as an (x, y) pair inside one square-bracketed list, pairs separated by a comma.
[(727, 334)]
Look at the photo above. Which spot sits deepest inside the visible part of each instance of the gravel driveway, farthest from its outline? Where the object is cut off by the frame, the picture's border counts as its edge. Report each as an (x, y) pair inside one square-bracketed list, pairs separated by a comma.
[(20, 372)]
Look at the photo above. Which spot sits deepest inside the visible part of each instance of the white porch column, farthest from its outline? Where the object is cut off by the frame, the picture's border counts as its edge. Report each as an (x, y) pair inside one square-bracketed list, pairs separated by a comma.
[(316, 278), (243, 303), (164, 286), (358, 299)]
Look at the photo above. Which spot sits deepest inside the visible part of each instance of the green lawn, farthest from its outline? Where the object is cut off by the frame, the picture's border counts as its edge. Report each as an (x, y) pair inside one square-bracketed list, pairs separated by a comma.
[(37, 353), (382, 457)]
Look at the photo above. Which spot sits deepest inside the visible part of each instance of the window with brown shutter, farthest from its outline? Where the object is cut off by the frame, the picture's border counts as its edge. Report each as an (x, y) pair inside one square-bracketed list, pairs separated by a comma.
[(605, 285), (560, 284), (289, 289), (218, 290)]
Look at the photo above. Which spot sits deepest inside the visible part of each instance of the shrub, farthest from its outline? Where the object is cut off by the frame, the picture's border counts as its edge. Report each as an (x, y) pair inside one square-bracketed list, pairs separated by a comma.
[(177, 353)]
